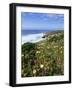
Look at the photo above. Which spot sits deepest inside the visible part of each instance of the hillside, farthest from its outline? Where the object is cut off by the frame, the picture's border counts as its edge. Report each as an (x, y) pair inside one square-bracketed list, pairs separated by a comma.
[(44, 58)]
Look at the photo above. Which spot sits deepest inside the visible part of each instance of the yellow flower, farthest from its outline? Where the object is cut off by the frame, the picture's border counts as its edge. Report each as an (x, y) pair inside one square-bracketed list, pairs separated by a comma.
[(41, 66), (34, 71), (60, 51), (61, 47), (37, 51), (55, 46), (48, 47)]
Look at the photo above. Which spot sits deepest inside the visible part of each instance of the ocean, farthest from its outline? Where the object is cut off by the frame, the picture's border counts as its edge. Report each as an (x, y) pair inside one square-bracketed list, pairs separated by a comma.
[(28, 32)]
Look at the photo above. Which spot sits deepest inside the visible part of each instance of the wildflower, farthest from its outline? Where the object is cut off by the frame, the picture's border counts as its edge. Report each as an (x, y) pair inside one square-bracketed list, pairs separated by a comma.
[(34, 71), (41, 66), (60, 51), (61, 46), (38, 52), (55, 46), (48, 47)]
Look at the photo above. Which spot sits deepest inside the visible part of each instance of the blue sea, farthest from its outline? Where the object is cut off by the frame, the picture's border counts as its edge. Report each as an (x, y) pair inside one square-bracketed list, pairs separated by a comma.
[(27, 32)]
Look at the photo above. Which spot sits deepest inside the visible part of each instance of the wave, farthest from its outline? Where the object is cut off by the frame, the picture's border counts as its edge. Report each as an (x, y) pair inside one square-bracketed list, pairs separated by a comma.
[(32, 38)]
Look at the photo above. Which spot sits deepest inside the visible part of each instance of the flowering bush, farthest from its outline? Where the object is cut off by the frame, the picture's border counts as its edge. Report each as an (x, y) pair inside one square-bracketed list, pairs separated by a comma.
[(44, 58)]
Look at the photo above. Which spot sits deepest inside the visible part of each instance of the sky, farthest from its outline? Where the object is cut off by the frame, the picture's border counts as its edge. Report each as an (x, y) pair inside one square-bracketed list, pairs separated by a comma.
[(34, 24)]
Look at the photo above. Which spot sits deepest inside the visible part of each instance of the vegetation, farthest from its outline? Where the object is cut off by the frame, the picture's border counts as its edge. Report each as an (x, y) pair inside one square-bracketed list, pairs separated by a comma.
[(44, 58)]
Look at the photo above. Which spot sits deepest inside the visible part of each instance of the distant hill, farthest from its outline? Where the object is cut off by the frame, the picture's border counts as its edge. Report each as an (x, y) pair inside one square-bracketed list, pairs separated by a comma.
[(52, 33)]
